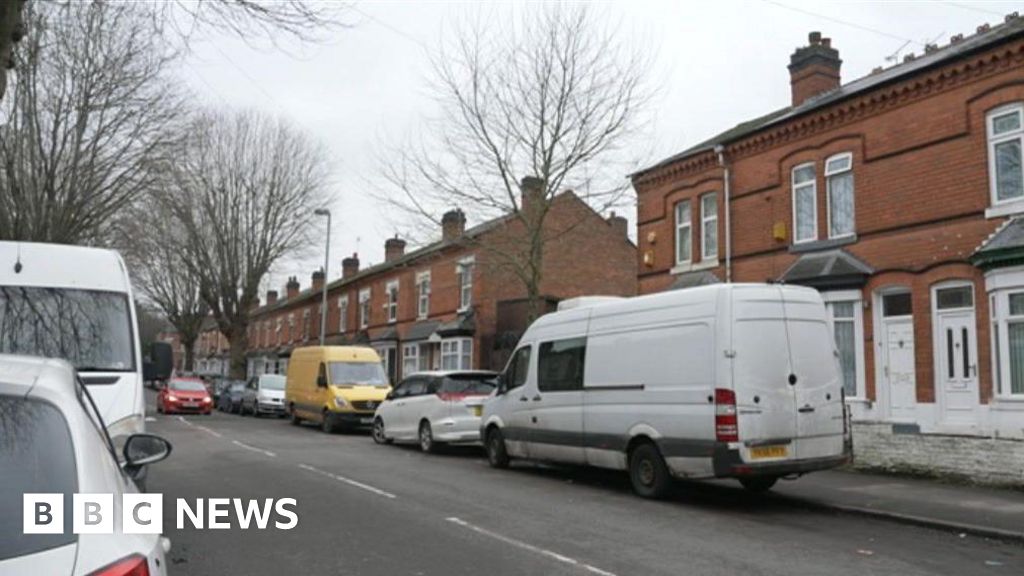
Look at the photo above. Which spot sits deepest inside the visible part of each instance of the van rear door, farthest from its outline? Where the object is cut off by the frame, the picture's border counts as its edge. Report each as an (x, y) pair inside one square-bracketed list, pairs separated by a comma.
[(817, 389)]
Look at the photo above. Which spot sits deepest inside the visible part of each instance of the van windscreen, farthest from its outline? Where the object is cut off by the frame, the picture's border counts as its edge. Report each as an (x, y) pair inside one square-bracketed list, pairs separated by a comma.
[(358, 374), (90, 329)]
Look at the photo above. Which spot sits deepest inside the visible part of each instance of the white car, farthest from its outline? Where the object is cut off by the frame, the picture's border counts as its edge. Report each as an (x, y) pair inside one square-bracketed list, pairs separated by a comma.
[(54, 442), (263, 394), (434, 408)]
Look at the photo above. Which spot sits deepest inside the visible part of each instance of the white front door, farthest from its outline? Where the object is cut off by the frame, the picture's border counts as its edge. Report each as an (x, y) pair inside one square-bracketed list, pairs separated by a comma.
[(956, 377), (898, 369)]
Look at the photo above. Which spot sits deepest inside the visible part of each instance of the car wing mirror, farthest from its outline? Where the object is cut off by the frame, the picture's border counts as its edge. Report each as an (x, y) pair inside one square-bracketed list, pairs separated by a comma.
[(144, 449)]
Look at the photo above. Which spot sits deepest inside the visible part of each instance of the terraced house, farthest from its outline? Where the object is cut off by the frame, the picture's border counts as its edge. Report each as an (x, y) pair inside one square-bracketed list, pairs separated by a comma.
[(899, 196), (449, 304)]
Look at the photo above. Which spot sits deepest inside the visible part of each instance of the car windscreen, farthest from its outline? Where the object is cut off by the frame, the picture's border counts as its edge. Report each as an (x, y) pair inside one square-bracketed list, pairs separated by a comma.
[(272, 382), (468, 384), (358, 374), (187, 386), (90, 329), (36, 456)]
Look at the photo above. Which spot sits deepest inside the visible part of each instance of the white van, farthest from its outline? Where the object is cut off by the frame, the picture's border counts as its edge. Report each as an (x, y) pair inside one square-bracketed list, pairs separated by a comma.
[(76, 303), (725, 381)]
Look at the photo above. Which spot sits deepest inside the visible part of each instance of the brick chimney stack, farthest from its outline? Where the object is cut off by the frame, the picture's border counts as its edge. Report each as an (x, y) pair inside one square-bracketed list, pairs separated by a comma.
[(317, 280), (292, 287), (814, 68), (350, 266), (619, 224), (531, 191), (271, 297), (453, 224), (394, 248)]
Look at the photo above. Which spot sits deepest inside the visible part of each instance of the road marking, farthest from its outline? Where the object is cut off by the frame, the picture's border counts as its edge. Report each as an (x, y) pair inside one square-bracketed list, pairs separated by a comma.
[(150, 419), (530, 547), (349, 481), (182, 418), (200, 427), (253, 448)]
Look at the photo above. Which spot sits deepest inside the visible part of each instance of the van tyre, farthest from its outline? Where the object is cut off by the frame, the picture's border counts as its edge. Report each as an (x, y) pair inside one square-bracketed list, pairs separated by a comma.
[(427, 443), (758, 484), (296, 421), (328, 425), (497, 455), (379, 435), (648, 472)]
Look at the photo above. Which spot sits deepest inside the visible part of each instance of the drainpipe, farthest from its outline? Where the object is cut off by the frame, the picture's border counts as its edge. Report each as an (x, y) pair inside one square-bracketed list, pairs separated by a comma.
[(720, 151)]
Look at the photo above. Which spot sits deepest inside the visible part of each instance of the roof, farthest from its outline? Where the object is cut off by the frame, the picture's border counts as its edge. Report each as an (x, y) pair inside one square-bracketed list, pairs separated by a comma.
[(1004, 247), (421, 330), (1012, 28), (62, 266), (829, 269)]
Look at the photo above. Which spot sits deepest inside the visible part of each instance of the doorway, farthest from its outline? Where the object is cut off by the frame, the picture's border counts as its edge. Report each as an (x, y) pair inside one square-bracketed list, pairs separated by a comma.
[(956, 354), (895, 360)]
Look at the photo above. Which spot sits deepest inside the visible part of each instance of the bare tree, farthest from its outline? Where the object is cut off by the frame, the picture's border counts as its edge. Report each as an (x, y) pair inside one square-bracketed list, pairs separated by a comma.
[(244, 191), (90, 111), (301, 20), (11, 31), (551, 104)]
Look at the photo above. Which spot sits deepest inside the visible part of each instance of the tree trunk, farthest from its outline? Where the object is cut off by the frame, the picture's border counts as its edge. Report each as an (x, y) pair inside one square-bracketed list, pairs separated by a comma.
[(190, 354), (10, 21), (239, 342)]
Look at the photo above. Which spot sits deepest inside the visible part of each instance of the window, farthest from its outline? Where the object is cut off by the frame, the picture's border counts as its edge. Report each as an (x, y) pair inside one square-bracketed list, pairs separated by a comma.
[(457, 354), (364, 308), (839, 183), (805, 204), (560, 365), (307, 326), (464, 273), (1005, 149), (957, 297), (410, 359), (709, 226), (518, 368), (899, 304), (422, 295), (845, 331), (278, 330), (391, 305), (291, 328), (996, 353), (1014, 321), (683, 235), (342, 313), (415, 387), (357, 374)]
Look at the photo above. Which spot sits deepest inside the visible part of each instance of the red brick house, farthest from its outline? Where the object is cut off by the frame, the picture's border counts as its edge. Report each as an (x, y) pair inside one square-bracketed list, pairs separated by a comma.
[(449, 304), (897, 195)]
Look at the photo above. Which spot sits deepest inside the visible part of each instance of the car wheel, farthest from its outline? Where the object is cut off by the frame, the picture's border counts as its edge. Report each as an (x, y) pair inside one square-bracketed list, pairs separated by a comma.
[(758, 484), (378, 432), (648, 472), (497, 455), (427, 443), (327, 424)]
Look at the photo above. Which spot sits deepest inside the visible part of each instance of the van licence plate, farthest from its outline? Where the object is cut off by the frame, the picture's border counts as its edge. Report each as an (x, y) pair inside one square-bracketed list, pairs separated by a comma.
[(776, 451)]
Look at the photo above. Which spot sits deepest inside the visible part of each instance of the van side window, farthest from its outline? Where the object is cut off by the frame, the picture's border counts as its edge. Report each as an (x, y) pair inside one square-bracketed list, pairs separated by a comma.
[(560, 365), (519, 368)]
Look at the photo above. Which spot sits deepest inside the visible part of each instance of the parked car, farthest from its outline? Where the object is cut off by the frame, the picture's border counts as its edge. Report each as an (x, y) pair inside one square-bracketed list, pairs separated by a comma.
[(726, 381), (231, 396), (184, 395), (335, 386), (264, 394), (54, 443), (219, 386), (434, 408)]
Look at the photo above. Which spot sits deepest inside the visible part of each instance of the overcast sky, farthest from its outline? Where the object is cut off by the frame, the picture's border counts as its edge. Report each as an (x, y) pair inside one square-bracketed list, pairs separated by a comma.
[(715, 64)]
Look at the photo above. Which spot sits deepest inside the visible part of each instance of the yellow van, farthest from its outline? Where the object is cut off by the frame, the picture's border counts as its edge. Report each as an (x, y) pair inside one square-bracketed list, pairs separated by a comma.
[(335, 386)]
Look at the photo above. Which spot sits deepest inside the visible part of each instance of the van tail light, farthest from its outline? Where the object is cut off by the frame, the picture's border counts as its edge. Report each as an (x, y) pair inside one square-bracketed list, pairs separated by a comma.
[(726, 427), (134, 565)]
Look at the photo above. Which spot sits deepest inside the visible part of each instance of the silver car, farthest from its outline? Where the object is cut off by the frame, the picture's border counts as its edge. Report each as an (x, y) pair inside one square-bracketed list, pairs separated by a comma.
[(263, 394), (53, 441)]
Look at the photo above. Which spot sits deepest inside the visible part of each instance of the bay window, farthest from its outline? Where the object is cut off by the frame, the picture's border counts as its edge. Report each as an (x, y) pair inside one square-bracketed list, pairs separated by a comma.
[(410, 359), (457, 354), (845, 315)]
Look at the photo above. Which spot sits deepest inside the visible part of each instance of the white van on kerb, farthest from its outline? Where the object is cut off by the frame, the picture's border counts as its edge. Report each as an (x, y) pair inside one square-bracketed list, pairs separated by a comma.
[(724, 381), (76, 303)]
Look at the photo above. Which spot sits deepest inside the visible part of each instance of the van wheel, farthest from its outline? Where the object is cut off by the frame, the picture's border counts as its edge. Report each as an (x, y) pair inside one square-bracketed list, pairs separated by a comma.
[(378, 432), (427, 443), (296, 421), (758, 484), (497, 456), (648, 472), (327, 425)]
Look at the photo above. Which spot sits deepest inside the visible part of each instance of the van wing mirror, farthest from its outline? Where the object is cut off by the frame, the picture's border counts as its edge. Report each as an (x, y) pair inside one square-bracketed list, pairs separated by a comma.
[(502, 384)]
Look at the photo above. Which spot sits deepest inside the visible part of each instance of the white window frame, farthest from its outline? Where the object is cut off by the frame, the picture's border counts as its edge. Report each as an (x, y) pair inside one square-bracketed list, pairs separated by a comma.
[(307, 326), (342, 313), (683, 228), (391, 301), (1010, 205), (828, 192), (461, 349), (410, 353), (794, 188), (364, 308), (423, 295), (1003, 385), (704, 220), (856, 298), (278, 330), (291, 327), (464, 275)]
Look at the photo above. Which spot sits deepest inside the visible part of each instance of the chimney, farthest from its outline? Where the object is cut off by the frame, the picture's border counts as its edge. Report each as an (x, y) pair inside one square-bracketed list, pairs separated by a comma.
[(453, 224), (271, 297), (814, 68), (394, 248), (531, 191), (350, 266), (619, 224), (292, 287), (318, 280)]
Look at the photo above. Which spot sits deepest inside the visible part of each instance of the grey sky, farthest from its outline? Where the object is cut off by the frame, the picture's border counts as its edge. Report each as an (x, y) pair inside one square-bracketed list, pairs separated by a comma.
[(716, 64)]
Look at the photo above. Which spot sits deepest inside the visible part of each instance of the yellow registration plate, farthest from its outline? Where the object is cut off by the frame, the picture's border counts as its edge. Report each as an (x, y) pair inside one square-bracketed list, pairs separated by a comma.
[(777, 451), (477, 410)]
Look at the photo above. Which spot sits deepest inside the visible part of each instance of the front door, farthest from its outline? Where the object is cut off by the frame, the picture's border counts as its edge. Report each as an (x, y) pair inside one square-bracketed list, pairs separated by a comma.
[(957, 368), (898, 369)]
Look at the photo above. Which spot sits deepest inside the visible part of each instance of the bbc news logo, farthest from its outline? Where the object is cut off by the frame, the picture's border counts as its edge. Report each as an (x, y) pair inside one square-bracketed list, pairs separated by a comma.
[(144, 513)]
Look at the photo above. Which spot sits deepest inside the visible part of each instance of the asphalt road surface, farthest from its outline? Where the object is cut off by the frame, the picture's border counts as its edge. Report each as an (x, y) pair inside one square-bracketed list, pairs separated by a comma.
[(373, 510)]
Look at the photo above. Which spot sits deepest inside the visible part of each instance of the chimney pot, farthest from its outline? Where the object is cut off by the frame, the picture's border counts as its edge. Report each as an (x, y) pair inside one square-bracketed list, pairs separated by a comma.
[(292, 287), (453, 224), (619, 224), (350, 266), (317, 280), (531, 191), (983, 28), (394, 248), (814, 69), (814, 38), (826, 42)]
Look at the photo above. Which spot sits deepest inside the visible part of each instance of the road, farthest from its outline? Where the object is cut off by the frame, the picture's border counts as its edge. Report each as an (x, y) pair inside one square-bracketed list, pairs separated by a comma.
[(373, 510)]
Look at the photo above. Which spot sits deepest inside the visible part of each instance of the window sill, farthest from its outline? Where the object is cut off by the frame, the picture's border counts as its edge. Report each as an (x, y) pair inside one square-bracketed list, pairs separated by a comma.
[(815, 245), (1008, 403), (1005, 209), (702, 265)]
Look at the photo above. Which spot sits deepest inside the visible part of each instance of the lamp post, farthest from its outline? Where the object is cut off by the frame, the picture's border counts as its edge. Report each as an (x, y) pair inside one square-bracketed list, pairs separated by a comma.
[(327, 262)]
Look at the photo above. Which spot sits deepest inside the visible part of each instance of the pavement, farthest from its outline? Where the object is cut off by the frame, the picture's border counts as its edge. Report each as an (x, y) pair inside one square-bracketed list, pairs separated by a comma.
[(373, 510)]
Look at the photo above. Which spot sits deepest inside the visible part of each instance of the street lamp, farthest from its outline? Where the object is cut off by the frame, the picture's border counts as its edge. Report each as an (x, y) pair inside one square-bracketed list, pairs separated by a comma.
[(327, 262)]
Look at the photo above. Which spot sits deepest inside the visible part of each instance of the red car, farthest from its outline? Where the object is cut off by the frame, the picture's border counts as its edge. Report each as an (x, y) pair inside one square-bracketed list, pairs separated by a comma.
[(184, 395)]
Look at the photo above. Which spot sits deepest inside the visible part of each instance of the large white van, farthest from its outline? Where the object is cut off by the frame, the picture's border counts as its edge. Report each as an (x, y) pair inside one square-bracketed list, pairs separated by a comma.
[(76, 303), (725, 381)]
